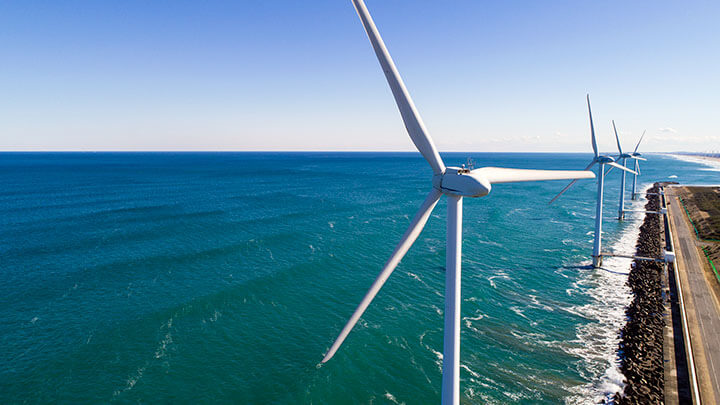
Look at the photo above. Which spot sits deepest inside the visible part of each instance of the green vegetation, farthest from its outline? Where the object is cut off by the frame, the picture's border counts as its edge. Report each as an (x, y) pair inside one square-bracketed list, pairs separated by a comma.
[(703, 207), (709, 256)]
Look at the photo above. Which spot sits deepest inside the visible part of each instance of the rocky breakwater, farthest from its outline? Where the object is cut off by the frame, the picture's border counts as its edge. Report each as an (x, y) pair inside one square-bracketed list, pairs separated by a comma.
[(641, 344)]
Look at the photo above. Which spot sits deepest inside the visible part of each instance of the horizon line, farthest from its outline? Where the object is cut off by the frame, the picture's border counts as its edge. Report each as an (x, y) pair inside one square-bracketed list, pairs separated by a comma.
[(283, 151)]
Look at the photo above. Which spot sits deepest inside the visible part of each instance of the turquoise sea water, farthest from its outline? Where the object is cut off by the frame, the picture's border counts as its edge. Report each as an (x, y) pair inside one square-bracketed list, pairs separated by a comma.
[(224, 278)]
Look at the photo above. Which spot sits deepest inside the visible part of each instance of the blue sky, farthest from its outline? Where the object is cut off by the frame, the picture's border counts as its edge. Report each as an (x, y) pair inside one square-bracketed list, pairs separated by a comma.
[(290, 75)]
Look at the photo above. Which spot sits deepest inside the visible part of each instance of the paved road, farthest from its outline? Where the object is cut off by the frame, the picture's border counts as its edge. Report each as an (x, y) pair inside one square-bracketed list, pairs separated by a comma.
[(701, 302)]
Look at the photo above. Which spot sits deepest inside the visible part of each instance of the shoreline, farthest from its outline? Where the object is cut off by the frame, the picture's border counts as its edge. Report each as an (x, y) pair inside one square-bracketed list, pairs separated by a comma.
[(711, 161), (641, 342), (715, 159)]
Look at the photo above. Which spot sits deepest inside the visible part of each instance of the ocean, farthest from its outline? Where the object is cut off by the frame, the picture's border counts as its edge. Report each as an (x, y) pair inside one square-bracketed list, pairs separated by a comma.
[(225, 277)]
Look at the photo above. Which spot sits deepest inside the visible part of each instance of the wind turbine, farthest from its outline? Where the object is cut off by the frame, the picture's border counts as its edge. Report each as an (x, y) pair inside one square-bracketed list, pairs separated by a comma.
[(601, 160), (624, 157), (636, 156), (455, 183)]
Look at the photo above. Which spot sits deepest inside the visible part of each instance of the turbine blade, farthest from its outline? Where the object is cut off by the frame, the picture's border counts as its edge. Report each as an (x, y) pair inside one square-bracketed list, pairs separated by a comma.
[(621, 167), (570, 185), (637, 158), (412, 233), (497, 175), (637, 167), (592, 128), (413, 123), (638, 144), (617, 138)]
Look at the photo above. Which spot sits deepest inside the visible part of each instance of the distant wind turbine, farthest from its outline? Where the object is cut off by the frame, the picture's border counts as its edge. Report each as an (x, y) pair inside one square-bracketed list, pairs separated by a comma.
[(455, 183), (636, 156), (601, 160), (624, 157)]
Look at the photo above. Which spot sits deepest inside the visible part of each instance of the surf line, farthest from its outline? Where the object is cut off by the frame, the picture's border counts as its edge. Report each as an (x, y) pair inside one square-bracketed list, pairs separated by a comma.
[(641, 341)]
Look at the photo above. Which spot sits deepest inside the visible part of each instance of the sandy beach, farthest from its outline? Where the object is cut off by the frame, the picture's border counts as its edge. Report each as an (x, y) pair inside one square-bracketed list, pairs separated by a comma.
[(715, 159)]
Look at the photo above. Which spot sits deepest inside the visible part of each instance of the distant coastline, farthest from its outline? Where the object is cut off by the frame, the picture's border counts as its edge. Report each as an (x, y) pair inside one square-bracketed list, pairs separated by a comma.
[(704, 156)]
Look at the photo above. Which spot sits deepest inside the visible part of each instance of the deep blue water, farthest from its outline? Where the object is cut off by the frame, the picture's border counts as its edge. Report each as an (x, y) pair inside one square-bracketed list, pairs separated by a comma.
[(224, 278)]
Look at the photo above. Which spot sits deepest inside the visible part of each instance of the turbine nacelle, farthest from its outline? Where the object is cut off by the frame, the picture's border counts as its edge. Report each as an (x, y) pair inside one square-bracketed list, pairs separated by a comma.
[(461, 182), (604, 159)]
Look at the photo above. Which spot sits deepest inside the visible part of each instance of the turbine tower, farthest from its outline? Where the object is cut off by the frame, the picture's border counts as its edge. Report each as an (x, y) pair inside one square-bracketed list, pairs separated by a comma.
[(624, 157), (636, 155), (454, 182), (601, 160)]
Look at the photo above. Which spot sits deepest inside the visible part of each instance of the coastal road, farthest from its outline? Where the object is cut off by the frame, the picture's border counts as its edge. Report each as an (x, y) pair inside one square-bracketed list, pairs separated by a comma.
[(701, 302)]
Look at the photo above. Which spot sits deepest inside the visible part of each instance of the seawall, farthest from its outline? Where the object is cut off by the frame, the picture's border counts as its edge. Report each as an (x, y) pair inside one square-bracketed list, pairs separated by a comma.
[(641, 344)]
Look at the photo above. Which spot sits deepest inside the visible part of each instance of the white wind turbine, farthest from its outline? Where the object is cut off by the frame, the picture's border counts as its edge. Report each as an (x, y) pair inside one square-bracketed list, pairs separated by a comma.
[(624, 157), (636, 156), (601, 160), (455, 183)]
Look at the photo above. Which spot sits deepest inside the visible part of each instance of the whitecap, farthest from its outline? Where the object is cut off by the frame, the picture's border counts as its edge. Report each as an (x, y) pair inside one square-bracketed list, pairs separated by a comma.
[(596, 342), (518, 311), (391, 397)]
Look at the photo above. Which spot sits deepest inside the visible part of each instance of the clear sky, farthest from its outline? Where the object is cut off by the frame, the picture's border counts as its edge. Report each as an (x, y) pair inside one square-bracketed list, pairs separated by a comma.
[(301, 75)]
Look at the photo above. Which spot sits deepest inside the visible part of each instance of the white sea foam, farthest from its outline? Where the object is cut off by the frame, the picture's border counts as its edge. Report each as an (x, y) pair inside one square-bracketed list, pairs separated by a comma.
[(469, 322), (416, 277), (160, 352), (130, 383), (534, 301), (489, 242), (438, 355), (472, 373), (597, 341), (710, 163), (500, 275), (518, 311), (391, 397), (166, 341)]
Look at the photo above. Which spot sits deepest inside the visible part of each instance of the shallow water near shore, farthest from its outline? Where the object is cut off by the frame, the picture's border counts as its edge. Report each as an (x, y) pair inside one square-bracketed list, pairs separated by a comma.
[(224, 277)]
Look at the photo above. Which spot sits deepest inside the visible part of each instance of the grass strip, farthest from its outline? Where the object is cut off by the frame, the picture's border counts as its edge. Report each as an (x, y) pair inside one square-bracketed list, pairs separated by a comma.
[(707, 254), (697, 234)]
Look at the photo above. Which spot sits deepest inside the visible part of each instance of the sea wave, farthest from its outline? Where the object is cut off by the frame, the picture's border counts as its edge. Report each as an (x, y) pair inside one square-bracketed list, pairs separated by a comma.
[(597, 340), (710, 163)]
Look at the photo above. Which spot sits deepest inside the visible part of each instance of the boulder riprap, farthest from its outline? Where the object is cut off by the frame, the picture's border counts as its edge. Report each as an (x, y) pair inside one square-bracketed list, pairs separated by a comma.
[(641, 344)]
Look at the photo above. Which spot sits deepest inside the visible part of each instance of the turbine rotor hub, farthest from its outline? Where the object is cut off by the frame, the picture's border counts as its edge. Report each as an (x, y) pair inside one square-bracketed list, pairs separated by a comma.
[(461, 182)]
